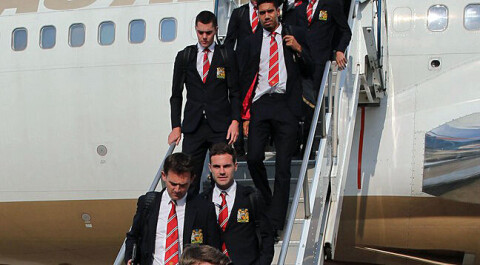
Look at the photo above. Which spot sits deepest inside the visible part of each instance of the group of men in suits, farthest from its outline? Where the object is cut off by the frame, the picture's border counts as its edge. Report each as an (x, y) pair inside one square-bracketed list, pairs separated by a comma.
[(259, 94)]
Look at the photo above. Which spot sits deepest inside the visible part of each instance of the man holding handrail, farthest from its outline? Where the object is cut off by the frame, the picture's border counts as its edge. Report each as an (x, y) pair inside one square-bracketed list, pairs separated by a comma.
[(276, 58), (212, 111)]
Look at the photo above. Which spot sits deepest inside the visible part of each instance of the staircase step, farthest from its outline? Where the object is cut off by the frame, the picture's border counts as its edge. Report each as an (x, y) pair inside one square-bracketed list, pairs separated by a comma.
[(291, 254)]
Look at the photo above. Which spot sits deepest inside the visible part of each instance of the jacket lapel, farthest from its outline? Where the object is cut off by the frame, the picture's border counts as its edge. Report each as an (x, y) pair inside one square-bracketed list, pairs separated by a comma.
[(188, 222), (192, 63), (246, 17), (257, 48), (288, 57), (153, 218)]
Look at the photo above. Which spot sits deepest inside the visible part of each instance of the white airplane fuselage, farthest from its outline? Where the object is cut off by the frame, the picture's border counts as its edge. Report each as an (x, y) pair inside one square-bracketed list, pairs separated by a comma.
[(84, 129)]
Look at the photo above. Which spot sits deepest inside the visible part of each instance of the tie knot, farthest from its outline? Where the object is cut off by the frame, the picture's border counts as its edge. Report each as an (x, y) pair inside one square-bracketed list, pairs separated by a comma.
[(223, 194), (206, 50), (273, 34), (174, 203), (312, 2)]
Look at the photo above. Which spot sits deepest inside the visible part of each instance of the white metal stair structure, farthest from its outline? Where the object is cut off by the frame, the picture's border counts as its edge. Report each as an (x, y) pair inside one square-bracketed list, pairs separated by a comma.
[(323, 194)]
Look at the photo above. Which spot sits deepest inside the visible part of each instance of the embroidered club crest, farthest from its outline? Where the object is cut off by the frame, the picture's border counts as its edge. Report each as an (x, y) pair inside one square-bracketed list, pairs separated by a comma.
[(220, 73), (197, 236), (323, 15), (242, 216)]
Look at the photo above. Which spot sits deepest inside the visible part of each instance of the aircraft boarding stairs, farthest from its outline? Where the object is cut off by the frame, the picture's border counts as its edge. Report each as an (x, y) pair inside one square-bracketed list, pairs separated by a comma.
[(317, 186)]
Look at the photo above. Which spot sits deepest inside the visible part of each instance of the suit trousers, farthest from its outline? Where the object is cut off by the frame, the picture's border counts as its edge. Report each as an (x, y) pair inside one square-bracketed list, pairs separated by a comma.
[(196, 145), (270, 115)]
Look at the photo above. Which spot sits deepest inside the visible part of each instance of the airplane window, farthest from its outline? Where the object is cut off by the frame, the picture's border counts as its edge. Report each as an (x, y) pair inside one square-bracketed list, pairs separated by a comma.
[(48, 35), (77, 35), (106, 33), (168, 29), (472, 17), (437, 18), (136, 31), (19, 39)]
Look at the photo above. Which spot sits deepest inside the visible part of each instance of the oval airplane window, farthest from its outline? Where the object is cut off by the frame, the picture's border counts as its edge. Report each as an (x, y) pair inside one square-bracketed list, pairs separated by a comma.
[(136, 31), (106, 33), (437, 18), (168, 29), (48, 36), (472, 17), (19, 39), (76, 35)]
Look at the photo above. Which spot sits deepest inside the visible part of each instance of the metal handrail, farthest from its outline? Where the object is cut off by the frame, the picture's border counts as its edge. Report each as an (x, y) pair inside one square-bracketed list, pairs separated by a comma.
[(153, 186), (303, 171), (320, 106)]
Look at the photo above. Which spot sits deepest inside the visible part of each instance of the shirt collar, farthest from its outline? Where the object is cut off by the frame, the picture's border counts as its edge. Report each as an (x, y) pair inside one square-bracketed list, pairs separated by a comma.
[(266, 33), (180, 202), (250, 5), (229, 191), (211, 47)]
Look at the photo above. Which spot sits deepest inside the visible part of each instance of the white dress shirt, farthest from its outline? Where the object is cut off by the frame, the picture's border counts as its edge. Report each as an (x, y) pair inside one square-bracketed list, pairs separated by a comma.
[(263, 87), (161, 235), (200, 49), (230, 198)]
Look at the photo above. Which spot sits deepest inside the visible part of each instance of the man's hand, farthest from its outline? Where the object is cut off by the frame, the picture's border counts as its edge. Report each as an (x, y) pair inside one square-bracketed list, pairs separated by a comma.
[(129, 262), (245, 127), (232, 133), (175, 136), (341, 60), (291, 42)]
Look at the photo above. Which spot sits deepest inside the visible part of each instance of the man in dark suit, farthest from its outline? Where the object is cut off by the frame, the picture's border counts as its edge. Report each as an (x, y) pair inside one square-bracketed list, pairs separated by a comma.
[(327, 31), (247, 234), (168, 221), (323, 20), (272, 102), (212, 110), (243, 23)]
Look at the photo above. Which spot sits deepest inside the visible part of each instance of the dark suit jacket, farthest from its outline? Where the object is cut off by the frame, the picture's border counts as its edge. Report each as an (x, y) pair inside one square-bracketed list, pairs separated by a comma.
[(239, 27), (240, 238), (320, 35), (198, 215), (218, 98), (297, 66)]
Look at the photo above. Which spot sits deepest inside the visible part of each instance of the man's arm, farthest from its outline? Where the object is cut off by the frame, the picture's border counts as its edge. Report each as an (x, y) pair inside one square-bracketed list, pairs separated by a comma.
[(298, 44), (135, 230), (234, 96), (343, 34), (176, 99), (233, 27)]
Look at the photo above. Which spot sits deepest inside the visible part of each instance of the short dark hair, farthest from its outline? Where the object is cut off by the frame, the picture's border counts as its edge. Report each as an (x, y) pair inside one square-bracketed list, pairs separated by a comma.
[(274, 2), (206, 17), (178, 163), (221, 149), (194, 254)]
